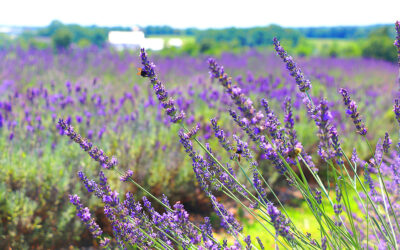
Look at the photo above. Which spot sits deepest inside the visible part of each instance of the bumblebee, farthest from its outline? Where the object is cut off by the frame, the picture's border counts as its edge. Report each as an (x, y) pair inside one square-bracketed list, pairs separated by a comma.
[(239, 152), (142, 72), (295, 152)]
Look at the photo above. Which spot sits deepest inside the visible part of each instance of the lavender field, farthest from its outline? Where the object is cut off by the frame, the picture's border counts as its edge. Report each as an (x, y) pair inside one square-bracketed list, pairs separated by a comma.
[(99, 92)]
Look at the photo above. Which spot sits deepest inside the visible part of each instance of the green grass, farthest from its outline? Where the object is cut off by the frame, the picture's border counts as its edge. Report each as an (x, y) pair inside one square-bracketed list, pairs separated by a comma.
[(301, 216)]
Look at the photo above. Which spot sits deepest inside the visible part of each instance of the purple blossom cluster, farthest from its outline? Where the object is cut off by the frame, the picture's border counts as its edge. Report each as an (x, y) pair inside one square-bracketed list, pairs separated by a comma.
[(94, 152), (167, 103), (244, 104), (303, 83), (220, 134), (396, 109), (85, 216), (397, 41), (352, 111), (208, 177), (128, 174), (272, 123), (281, 224), (139, 223), (322, 120)]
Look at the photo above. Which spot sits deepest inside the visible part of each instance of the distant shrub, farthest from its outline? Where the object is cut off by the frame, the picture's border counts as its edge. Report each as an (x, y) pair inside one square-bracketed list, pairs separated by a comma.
[(379, 45), (62, 38)]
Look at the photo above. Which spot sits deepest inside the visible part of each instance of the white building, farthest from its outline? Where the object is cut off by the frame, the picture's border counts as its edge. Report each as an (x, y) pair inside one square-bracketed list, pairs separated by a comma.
[(126, 39), (133, 40), (136, 39)]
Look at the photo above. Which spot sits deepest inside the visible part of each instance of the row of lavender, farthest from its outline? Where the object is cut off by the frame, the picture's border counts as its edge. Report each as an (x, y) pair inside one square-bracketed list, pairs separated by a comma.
[(93, 90)]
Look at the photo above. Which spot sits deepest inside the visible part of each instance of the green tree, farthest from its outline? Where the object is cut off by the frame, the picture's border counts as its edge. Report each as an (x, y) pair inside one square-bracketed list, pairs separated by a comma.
[(62, 38), (380, 45)]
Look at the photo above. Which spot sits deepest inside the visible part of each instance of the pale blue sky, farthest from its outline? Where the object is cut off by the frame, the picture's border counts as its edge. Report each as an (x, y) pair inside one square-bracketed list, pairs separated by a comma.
[(201, 13)]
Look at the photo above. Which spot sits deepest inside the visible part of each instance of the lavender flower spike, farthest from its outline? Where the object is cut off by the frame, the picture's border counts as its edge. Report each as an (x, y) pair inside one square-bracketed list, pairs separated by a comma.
[(396, 109), (126, 176), (303, 83), (323, 122), (397, 41), (281, 224), (352, 111), (96, 153), (84, 215), (386, 143), (244, 104), (219, 133), (159, 89)]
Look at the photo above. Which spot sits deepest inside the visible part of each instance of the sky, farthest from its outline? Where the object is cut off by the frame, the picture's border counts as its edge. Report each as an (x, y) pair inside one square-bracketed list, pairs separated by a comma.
[(200, 13)]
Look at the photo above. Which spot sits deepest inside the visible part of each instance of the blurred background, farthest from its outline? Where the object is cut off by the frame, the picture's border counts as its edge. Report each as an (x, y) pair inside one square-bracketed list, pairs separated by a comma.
[(309, 28), (77, 60)]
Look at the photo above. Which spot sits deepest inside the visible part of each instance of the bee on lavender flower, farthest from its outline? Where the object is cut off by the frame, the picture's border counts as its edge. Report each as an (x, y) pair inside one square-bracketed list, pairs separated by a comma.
[(295, 152), (142, 72), (239, 152)]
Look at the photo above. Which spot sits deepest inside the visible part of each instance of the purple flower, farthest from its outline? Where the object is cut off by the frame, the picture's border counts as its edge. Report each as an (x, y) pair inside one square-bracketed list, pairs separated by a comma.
[(128, 174), (248, 242), (396, 109), (322, 120), (303, 83), (200, 166), (323, 243), (228, 221), (244, 104), (352, 111), (242, 149), (89, 184), (272, 155), (289, 124), (271, 123), (193, 131), (78, 119), (219, 133), (260, 243), (368, 169), (206, 229), (281, 224), (104, 242), (96, 153), (111, 199), (354, 156), (318, 197), (11, 136), (397, 41), (336, 145), (159, 89), (258, 186), (74, 199), (245, 126), (386, 143), (379, 152), (85, 216), (293, 146)]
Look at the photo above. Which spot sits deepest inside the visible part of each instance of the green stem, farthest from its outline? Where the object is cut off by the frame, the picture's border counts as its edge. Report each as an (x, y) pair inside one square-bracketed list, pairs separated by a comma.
[(383, 186)]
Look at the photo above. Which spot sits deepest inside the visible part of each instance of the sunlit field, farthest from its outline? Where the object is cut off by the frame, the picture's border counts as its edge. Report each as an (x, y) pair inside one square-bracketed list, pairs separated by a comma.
[(99, 93)]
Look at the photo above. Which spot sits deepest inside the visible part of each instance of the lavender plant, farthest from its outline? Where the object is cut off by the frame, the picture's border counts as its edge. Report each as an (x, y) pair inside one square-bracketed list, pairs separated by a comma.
[(94, 91), (372, 185)]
